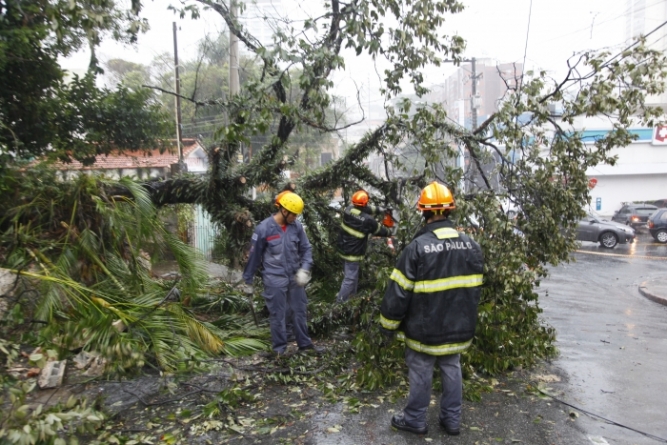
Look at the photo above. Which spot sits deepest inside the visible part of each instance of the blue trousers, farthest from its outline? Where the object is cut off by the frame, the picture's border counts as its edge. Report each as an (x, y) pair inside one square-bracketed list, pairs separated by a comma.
[(348, 287), (278, 300), (420, 375)]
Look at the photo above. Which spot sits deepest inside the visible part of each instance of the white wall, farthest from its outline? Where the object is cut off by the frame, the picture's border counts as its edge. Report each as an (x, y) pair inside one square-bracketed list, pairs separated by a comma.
[(117, 173), (640, 172), (614, 190)]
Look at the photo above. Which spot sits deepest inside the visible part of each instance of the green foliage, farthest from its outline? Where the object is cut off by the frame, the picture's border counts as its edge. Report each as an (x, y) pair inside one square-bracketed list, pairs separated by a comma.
[(43, 424), (83, 249), (40, 110), (185, 217)]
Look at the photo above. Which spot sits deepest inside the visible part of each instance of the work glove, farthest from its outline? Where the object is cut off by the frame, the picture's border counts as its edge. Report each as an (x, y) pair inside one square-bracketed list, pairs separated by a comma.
[(302, 277), (247, 289)]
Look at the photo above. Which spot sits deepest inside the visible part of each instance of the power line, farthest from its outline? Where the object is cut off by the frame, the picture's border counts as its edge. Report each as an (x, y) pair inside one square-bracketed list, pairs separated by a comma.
[(560, 37), (525, 48), (636, 42)]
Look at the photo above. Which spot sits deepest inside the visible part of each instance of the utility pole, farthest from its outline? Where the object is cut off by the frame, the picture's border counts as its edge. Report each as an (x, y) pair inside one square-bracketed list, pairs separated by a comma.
[(461, 161), (181, 167), (474, 105), (234, 87), (474, 99)]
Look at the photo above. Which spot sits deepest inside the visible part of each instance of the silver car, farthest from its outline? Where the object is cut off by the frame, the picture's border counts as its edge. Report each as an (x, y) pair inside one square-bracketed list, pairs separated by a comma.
[(608, 233)]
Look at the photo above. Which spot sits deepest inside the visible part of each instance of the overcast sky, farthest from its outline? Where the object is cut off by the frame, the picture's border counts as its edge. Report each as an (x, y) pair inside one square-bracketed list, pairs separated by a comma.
[(546, 34)]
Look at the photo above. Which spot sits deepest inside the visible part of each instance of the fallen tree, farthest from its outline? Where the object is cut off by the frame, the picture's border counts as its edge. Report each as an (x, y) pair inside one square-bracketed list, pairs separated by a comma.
[(540, 160)]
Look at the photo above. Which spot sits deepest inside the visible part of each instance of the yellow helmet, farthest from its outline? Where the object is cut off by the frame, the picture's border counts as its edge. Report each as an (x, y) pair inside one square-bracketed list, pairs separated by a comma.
[(436, 196), (292, 203)]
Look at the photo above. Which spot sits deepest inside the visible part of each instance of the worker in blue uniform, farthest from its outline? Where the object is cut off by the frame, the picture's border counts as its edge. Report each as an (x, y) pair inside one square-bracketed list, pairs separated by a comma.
[(280, 245)]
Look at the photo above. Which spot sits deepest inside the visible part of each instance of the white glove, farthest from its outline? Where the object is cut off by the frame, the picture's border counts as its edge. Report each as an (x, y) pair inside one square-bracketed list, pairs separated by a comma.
[(247, 289), (302, 277)]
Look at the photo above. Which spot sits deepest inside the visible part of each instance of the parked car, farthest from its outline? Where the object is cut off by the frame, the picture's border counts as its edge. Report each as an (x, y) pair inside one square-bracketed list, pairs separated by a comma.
[(660, 203), (635, 215), (657, 225), (607, 233)]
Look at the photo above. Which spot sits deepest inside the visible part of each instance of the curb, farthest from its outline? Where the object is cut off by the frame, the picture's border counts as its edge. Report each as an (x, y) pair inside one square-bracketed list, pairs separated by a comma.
[(643, 289)]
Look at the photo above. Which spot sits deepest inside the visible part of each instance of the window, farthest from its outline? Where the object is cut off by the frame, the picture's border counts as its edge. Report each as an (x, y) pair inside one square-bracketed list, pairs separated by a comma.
[(645, 211), (326, 158)]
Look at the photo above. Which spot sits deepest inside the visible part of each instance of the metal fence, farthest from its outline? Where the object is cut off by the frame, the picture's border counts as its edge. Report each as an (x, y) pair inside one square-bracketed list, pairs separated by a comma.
[(202, 233)]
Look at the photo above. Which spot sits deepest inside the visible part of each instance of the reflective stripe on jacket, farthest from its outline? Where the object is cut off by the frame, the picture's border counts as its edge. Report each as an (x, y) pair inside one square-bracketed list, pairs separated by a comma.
[(434, 290), (280, 253), (358, 223)]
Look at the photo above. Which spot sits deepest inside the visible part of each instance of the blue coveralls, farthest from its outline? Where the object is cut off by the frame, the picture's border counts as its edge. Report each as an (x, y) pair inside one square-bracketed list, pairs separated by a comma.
[(281, 253)]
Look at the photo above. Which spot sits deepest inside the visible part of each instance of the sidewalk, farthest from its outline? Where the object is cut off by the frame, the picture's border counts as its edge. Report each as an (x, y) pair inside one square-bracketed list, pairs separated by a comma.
[(655, 290)]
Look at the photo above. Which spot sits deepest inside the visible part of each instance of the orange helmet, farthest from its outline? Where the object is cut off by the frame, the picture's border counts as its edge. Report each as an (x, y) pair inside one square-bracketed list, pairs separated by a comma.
[(280, 195), (360, 198), (436, 196)]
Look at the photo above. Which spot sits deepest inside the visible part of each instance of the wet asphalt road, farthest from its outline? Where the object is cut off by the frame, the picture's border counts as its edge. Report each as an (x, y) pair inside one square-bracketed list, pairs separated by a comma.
[(612, 340)]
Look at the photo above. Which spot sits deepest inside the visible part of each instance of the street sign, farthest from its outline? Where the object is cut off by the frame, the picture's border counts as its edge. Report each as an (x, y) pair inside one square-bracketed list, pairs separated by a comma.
[(592, 183), (660, 135), (598, 204)]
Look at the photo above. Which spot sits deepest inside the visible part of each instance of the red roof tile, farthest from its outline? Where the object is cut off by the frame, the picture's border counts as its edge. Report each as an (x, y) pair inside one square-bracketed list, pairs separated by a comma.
[(152, 159)]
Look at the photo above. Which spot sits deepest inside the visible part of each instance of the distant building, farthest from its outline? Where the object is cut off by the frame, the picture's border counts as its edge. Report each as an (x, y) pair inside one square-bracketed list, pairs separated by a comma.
[(493, 80), (640, 173), (642, 17), (150, 165)]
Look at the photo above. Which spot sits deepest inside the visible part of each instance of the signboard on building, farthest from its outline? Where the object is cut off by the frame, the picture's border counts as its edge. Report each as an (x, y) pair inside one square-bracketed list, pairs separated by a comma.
[(660, 135)]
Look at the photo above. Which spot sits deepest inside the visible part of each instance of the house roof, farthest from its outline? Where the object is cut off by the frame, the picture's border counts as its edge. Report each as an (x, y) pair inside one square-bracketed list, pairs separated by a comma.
[(149, 159)]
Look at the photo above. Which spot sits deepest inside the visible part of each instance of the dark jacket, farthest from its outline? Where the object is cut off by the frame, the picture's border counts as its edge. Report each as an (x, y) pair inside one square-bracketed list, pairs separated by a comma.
[(433, 292), (358, 223), (281, 253)]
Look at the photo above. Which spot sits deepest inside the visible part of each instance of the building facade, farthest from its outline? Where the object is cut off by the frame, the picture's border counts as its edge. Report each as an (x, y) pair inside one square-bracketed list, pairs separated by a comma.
[(481, 88), (141, 165), (644, 17), (640, 172)]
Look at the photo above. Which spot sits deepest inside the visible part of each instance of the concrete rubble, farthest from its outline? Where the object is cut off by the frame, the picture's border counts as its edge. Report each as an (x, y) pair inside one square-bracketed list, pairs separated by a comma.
[(52, 374)]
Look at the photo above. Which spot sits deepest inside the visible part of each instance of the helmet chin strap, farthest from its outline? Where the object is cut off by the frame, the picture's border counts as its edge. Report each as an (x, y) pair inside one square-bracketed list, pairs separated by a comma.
[(284, 217)]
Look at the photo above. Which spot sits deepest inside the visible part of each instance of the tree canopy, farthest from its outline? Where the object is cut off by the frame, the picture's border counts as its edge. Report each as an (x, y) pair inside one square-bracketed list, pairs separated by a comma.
[(43, 109)]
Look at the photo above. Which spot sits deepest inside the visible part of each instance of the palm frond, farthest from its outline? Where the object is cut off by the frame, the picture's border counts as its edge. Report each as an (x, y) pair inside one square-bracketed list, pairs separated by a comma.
[(239, 346), (86, 244)]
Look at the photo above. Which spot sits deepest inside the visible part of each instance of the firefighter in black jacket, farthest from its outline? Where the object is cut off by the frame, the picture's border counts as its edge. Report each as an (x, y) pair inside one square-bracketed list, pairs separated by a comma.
[(431, 301), (358, 223)]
